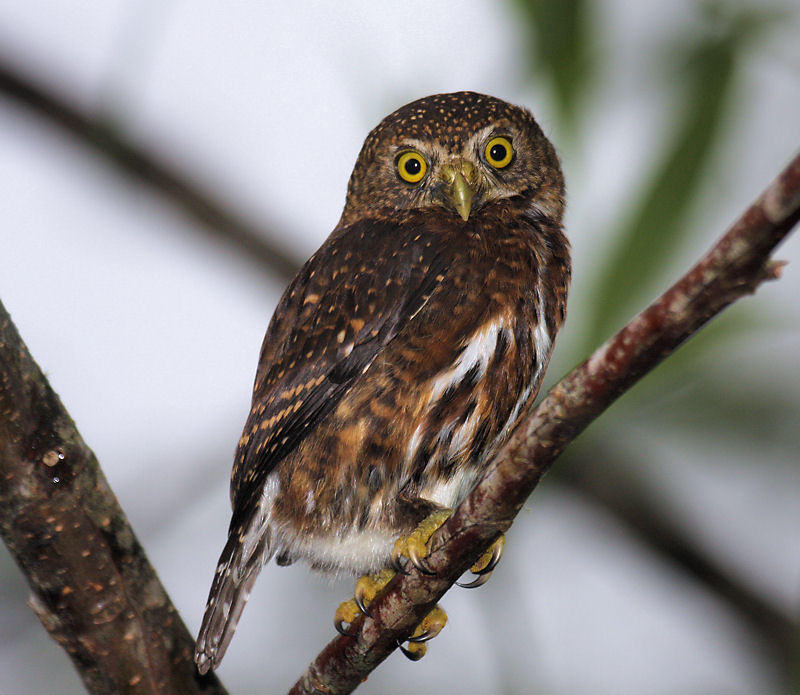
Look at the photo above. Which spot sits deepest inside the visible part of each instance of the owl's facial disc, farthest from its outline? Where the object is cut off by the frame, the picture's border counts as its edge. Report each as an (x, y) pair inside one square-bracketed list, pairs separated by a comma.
[(460, 179), (468, 154)]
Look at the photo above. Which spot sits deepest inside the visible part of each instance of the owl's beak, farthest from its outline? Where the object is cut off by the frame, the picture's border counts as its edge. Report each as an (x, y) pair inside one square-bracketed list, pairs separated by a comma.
[(460, 180)]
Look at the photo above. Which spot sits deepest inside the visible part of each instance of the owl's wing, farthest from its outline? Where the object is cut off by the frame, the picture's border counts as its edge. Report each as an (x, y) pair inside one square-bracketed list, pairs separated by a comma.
[(345, 305)]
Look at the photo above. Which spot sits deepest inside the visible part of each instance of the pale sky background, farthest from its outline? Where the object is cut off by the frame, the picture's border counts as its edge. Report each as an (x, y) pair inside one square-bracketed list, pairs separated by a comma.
[(150, 332)]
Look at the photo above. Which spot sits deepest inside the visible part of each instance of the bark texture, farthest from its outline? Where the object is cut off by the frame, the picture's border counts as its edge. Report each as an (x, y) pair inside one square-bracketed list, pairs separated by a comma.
[(92, 586), (734, 267)]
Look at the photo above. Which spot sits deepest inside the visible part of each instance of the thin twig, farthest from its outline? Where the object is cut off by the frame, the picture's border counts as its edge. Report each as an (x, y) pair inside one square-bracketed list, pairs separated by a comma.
[(624, 498), (735, 266), (214, 216), (93, 587), (221, 221)]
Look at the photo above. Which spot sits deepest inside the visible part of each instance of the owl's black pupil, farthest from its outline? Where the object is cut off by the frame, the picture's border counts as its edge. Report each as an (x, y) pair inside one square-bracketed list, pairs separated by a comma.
[(498, 152), (413, 166)]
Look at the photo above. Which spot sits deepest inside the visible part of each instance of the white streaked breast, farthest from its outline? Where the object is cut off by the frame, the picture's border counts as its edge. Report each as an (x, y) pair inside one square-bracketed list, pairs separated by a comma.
[(478, 351)]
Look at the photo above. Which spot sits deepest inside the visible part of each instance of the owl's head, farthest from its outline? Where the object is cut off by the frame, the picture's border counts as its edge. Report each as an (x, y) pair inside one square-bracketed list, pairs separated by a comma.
[(461, 152)]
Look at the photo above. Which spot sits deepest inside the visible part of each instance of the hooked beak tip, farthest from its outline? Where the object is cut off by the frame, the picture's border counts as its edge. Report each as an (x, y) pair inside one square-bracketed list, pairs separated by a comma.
[(460, 185), (461, 195)]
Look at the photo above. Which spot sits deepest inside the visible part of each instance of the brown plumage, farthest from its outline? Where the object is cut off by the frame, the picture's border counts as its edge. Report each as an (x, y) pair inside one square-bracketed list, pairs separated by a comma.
[(403, 352)]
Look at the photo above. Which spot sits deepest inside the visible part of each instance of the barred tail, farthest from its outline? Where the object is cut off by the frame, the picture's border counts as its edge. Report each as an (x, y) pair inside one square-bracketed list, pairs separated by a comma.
[(236, 573)]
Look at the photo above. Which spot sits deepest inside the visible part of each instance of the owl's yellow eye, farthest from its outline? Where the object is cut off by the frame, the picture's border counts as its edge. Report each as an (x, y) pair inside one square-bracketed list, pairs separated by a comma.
[(411, 166), (498, 152)]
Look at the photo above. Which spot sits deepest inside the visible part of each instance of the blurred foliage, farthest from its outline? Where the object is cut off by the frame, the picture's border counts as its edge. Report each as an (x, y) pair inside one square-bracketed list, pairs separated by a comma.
[(687, 394), (562, 51), (702, 69), (732, 413), (657, 228)]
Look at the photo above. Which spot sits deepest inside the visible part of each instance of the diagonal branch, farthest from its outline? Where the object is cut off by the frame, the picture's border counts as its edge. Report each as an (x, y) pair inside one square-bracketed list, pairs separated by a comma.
[(625, 497), (221, 221), (735, 266), (213, 215), (93, 587)]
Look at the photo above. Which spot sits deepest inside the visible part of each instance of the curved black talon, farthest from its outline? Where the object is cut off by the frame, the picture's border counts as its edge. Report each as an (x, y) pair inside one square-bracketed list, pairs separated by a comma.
[(424, 637), (425, 570), (497, 552), (361, 605), (490, 567), (338, 625), (411, 656), (481, 578), (484, 574), (419, 563), (397, 566)]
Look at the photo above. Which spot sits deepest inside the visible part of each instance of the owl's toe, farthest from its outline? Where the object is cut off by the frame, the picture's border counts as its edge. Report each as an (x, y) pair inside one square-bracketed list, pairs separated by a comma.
[(416, 550), (345, 614), (398, 552), (414, 651), (367, 587), (484, 567), (431, 625), (415, 545)]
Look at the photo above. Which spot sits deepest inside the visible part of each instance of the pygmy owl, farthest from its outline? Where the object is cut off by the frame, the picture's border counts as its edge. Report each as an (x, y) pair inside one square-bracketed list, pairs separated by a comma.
[(402, 354)]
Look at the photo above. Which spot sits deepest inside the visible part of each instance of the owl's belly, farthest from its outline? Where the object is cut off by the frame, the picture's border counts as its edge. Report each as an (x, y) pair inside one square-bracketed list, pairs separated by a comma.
[(340, 502), (472, 405)]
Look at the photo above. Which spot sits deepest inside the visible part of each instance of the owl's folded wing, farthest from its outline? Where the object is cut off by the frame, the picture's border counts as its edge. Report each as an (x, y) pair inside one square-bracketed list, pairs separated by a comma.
[(345, 305)]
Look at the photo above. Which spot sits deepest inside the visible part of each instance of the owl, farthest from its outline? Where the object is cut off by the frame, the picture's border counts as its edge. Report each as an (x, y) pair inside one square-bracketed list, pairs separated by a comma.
[(403, 352)]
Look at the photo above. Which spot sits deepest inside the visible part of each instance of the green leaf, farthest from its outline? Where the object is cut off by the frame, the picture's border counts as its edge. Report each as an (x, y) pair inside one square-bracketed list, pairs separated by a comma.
[(657, 227), (562, 38)]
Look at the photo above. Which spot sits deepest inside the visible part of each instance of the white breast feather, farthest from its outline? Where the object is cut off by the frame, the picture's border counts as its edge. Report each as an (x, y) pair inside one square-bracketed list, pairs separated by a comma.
[(359, 550), (478, 351)]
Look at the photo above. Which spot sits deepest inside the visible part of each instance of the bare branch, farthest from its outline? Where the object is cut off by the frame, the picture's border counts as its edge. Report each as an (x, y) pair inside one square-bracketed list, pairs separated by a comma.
[(625, 497), (735, 266), (218, 219), (93, 587), (133, 159)]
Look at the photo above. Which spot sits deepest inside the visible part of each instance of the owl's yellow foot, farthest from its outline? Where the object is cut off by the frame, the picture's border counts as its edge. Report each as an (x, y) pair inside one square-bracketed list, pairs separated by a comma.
[(415, 548), (415, 545), (367, 588), (431, 625), (488, 561)]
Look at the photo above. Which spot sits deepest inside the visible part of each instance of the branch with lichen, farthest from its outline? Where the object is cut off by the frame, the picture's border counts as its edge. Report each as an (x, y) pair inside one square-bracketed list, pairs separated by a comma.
[(217, 218), (92, 586), (736, 265)]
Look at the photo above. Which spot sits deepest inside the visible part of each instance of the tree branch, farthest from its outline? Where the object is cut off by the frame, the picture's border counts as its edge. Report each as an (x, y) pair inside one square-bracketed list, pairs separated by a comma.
[(133, 159), (735, 266), (93, 587), (219, 220), (625, 498)]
